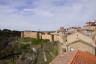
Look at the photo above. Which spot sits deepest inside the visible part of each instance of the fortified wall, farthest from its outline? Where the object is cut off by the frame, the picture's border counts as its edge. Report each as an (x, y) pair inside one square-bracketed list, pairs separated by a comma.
[(51, 36), (30, 34), (37, 35)]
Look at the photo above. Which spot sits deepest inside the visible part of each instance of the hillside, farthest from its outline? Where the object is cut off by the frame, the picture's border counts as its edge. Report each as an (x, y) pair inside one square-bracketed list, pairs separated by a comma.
[(28, 51)]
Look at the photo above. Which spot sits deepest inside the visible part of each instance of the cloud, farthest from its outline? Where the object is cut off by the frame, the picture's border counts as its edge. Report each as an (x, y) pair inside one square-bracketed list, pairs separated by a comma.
[(45, 14)]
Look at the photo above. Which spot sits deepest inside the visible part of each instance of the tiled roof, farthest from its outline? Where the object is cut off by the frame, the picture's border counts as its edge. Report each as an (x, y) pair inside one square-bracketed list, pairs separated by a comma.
[(84, 32), (75, 57), (89, 44)]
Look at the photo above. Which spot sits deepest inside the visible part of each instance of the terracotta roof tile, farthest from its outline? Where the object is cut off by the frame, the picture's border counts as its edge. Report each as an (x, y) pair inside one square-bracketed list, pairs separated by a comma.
[(75, 57)]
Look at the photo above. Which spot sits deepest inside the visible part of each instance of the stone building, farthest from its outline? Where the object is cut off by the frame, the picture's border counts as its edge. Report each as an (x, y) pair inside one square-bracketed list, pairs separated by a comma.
[(48, 36), (90, 25), (60, 35), (81, 40)]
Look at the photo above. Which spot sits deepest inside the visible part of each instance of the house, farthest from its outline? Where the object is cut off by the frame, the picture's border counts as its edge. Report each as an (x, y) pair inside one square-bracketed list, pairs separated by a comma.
[(81, 40), (48, 36), (91, 25)]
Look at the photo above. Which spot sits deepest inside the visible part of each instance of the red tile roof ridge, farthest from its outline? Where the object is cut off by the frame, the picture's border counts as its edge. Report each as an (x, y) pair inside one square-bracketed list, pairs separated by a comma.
[(88, 54), (75, 57), (76, 52)]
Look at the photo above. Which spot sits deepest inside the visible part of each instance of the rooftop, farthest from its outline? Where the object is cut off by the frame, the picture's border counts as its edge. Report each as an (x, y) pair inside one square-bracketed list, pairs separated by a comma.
[(75, 57)]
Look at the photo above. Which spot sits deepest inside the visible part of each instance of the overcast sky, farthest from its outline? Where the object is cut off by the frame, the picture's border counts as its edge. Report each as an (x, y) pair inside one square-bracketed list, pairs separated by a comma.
[(45, 14)]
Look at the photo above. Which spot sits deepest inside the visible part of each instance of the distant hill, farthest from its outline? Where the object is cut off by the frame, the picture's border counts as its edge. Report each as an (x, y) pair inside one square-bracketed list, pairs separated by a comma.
[(9, 33)]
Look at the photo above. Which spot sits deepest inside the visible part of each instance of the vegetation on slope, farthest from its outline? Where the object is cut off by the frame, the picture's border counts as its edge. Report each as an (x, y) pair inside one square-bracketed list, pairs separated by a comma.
[(7, 38), (28, 51), (40, 51)]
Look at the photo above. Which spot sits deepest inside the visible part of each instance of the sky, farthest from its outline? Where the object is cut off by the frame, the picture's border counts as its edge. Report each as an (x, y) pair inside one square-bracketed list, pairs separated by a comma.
[(45, 14)]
